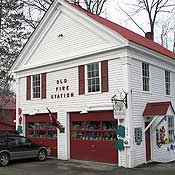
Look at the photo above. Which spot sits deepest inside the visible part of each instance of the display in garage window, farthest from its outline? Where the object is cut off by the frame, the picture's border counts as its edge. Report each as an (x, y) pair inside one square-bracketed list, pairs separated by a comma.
[(41, 130), (93, 130)]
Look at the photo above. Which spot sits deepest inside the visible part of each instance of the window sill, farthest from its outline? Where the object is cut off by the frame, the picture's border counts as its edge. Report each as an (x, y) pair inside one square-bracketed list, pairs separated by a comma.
[(93, 93), (36, 99), (169, 96), (147, 92)]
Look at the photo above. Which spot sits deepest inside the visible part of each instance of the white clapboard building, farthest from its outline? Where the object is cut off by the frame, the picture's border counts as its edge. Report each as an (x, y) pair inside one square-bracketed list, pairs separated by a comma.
[(111, 89)]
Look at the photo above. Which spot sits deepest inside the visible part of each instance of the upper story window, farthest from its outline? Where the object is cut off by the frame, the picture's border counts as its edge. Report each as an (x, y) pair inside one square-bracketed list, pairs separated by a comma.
[(145, 77), (36, 86), (167, 82), (171, 129), (93, 77)]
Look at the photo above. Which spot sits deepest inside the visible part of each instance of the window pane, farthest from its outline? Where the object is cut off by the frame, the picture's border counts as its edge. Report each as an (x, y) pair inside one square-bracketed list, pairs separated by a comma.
[(145, 76), (109, 136), (93, 125), (31, 125), (42, 134), (31, 133), (108, 125), (167, 82), (77, 135), (78, 125), (36, 86), (52, 134), (93, 136), (93, 77), (171, 129)]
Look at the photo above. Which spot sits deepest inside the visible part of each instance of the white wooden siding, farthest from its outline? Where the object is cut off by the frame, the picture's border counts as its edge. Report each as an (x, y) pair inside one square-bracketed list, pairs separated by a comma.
[(63, 106), (76, 38), (139, 100)]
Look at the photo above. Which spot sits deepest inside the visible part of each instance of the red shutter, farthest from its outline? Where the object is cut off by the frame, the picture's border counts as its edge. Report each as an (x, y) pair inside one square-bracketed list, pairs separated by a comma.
[(28, 88), (81, 76), (43, 85), (104, 76)]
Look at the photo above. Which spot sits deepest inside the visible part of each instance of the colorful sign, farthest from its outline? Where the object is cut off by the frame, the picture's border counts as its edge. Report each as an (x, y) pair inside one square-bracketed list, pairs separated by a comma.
[(20, 129), (119, 104), (119, 110)]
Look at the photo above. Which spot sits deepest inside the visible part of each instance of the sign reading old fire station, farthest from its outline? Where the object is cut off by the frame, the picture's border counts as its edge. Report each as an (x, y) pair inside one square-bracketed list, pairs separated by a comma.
[(62, 89)]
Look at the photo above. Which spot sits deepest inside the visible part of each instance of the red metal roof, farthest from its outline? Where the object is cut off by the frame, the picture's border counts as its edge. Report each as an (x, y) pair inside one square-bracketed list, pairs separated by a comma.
[(128, 34), (157, 108)]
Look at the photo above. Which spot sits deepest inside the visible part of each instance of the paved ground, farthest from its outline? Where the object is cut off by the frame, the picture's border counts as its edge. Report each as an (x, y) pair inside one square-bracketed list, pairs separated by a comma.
[(57, 167)]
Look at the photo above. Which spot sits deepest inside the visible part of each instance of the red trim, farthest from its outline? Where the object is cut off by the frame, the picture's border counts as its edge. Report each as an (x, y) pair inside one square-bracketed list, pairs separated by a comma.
[(104, 76), (147, 142), (28, 88), (158, 108), (128, 34), (43, 85), (81, 76)]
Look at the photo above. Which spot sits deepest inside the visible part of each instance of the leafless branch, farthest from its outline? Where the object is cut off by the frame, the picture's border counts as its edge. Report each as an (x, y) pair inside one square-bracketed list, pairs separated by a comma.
[(133, 21)]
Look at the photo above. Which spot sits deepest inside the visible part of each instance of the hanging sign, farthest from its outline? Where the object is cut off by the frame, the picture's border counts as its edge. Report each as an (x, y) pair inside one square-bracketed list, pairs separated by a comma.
[(119, 105), (119, 110)]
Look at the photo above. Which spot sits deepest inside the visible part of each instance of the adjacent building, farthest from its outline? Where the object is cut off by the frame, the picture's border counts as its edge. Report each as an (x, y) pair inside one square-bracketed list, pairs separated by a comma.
[(7, 113), (111, 89)]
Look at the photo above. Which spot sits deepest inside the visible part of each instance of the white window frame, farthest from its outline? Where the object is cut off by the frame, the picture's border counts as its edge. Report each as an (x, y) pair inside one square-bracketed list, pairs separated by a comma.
[(167, 83), (171, 129), (32, 87), (149, 78), (86, 79)]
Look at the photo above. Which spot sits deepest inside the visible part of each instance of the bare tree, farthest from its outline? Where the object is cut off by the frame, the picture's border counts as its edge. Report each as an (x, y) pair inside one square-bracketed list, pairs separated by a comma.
[(93, 6), (167, 30), (35, 9), (152, 8)]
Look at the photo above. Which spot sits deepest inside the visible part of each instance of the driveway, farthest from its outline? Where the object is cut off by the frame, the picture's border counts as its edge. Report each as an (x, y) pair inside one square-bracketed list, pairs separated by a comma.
[(58, 167)]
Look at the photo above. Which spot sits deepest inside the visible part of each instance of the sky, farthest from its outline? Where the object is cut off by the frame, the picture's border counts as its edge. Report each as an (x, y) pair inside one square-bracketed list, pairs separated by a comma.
[(115, 14)]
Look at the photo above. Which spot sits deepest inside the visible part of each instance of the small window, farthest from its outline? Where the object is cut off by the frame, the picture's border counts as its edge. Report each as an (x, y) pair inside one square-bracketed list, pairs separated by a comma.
[(171, 129), (167, 82), (36, 86), (145, 77), (93, 77)]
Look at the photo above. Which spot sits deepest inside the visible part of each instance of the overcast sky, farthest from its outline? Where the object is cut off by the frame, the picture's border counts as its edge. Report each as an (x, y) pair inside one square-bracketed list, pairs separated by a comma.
[(116, 15)]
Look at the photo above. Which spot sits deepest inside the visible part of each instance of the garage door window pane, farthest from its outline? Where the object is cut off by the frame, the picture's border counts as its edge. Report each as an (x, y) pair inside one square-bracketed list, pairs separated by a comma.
[(93, 136), (93, 125), (76, 135), (50, 126), (110, 136), (42, 134), (31, 125), (31, 133), (107, 125), (42, 125), (78, 125), (52, 134)]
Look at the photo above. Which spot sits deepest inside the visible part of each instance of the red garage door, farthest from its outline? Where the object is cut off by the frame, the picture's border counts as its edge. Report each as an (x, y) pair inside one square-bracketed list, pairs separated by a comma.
[(40, 130), (93, 137)]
